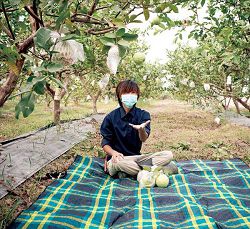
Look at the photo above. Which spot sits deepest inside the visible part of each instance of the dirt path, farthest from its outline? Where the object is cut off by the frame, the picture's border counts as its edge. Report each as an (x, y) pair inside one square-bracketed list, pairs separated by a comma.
[(168, 105), (172, 106)]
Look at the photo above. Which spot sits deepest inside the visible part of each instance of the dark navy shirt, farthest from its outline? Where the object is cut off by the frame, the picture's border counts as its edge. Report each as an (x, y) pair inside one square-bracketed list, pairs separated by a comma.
[(118, 134)]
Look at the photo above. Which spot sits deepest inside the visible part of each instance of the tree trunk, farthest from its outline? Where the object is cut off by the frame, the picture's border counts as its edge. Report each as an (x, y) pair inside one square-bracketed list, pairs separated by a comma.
[(57, 111), (94, 107), (236, 105), (94, 101), (11, 82), (12, 78), (227, 104), (244, 104)]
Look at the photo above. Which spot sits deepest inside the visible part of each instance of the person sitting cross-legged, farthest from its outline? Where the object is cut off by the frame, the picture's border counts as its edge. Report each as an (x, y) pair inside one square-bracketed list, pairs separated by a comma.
[(124, 130)]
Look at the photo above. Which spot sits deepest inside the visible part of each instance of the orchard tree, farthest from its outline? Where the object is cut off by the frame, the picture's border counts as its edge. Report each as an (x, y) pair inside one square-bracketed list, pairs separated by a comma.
[(203, 76), (42, 31), (33, 29), (76, 91), (219, 67)]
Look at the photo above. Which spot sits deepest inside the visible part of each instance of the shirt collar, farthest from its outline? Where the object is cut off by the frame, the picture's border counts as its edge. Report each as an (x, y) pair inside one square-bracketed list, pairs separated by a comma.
[(131, 112)]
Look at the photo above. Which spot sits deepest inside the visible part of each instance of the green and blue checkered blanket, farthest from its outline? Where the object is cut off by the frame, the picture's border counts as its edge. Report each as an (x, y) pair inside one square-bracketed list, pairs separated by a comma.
[(206, 194)]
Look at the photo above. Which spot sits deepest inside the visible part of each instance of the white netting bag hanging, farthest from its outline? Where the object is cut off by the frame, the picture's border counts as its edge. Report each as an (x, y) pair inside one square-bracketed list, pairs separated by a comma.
[(70, 50), (106, 100), (113, 59), (104, 82), (206, 86)]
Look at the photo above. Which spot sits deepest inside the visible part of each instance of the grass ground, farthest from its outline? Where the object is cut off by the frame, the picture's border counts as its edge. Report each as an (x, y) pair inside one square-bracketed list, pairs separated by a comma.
[(42, 116), (189, 133)]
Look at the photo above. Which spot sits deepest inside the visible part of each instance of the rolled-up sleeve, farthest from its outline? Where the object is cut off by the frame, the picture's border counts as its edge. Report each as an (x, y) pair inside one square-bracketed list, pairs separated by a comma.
[(106, 131), (146, 117)]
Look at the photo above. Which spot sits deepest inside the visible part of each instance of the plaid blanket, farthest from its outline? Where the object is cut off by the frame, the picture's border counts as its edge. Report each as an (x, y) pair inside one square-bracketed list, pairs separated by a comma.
[(206, 194)]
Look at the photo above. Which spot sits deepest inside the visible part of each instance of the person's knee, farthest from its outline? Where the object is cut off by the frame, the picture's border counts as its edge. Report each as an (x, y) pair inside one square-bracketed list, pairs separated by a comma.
[(167, 153), (162, 158), (119, 164)]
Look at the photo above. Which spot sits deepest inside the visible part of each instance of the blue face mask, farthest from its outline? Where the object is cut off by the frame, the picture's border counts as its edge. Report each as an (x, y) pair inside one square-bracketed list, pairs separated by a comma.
[(129, 100)]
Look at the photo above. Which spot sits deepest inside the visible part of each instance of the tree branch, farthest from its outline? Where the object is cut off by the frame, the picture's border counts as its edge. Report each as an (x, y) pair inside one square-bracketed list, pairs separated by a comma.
[(50, 90), (24, 46), (92, 9), (78, 3), (8, 23), (6, 31), (103, 7), (32, 14), (102, 31), (126, 4), (87, 19), (244, 104), (39, 57), (8, 10)]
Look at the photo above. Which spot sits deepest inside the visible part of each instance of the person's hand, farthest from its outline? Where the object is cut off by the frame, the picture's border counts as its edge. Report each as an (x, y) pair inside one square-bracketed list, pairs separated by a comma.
[(116, 156), (141, 126)]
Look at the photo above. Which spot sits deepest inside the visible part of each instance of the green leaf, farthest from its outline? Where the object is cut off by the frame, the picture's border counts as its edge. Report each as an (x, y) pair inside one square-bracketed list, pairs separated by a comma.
[(133, 17), (110, 35), (8, 54), (226, 32), (190, 35), (119, 22), (137, 21), (38, 69), (39, 87), (26, 105), (169, 22), (27, 57), (120, 32), (122, 50), (158, 9), (64, 13), (89, 53), (146, 13), (43, 39), (123, 43), (107, 41), (58, 82), (14, 2), (162, 26), (203, 2), (34, 79), (69, 37), (129, 36), (83, 10), (173, 7), (30, 78), (54, 67), (105, 49)]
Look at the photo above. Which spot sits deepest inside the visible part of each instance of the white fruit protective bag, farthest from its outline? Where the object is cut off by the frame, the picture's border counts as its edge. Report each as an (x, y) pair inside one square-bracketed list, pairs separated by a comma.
[(104, 82), (113, 59), (146, 179)]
